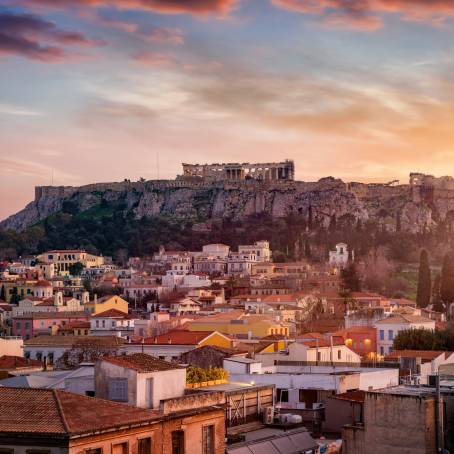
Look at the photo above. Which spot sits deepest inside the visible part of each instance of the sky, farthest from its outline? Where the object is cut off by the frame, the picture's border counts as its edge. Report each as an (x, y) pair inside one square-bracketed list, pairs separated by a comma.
[(103, 90)]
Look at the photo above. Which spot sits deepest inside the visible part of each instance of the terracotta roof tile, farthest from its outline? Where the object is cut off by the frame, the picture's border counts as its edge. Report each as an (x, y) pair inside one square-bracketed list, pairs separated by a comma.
[(64, 341), (179, 337), (424, 354), (113, 313), (141, 362), (57, 412), (8, 362)]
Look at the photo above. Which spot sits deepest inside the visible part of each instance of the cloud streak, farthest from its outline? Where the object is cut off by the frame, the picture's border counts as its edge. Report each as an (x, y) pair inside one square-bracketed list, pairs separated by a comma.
[(36, 38), (366, 14), (197, 7)]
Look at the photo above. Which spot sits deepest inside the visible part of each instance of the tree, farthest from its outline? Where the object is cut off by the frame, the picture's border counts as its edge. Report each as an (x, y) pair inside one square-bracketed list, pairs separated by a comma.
[(424, 281), (437, 303), (14, 296), (75, 269), (350, 278), (421, 339), (2, 293), (447, 280)]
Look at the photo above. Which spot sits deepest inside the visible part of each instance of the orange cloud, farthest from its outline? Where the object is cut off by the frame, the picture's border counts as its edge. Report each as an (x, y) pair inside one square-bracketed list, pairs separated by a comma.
[(198, 7)]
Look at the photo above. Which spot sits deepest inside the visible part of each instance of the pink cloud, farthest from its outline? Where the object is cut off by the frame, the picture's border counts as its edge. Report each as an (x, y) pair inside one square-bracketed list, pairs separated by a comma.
[(150, 58), (365, 14)]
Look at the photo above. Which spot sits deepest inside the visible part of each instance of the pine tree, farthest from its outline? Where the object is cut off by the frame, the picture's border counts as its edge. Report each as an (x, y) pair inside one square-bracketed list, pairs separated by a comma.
[(424, 281), (447, 280)]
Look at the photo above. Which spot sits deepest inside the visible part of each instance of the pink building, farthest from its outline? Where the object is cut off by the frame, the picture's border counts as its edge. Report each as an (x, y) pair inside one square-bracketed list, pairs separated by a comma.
[(30, 325)]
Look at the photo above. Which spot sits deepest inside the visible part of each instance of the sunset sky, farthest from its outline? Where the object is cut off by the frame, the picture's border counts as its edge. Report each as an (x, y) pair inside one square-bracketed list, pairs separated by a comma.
[(102, 90)]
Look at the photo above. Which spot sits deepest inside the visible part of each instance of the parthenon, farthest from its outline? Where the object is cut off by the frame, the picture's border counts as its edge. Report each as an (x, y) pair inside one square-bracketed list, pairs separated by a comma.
[(271, 171)]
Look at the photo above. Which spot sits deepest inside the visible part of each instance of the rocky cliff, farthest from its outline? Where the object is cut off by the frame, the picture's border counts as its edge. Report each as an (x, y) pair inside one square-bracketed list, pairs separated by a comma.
[(411, 208)]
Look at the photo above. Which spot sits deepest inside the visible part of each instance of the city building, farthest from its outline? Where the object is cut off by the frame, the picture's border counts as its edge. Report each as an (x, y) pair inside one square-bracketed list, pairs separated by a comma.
[(138, 379), (341, 255), (402, 419), (112, 322), (77, 424), (105, 303), (388, 328), (63, 259)]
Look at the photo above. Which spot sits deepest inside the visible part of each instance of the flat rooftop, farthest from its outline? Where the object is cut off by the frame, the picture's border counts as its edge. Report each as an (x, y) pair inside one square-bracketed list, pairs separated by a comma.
[(232, 387)]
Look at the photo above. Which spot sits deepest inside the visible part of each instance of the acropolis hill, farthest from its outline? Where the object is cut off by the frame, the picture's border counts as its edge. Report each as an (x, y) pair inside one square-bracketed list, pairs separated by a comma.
[(207, 192)]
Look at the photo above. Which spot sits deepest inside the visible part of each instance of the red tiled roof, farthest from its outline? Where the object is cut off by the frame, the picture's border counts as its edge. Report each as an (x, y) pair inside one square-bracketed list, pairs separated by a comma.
[(141, 362), (179, 337), (8, 362), (423, 354), (56, 412), (43, 284), (113, 313)]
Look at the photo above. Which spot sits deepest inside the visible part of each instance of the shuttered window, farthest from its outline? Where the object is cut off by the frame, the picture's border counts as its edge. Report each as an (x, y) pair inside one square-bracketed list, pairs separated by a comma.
[(118, 389)]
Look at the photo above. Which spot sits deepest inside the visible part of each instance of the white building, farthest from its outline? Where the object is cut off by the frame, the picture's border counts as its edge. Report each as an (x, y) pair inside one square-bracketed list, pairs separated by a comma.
[(240, 263), (388, 328), (260, 249), (112, 323), (185, 306), (339, 257), (217, 250), (140, 380), (302, 387)]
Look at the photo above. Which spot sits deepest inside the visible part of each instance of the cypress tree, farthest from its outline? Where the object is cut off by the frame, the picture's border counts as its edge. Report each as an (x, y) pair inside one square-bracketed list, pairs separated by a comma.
[(424, 281), (437, 304), (447, 281)]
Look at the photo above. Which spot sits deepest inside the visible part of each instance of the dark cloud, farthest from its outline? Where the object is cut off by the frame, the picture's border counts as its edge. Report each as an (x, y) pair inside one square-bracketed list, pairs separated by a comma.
[(36, 38)]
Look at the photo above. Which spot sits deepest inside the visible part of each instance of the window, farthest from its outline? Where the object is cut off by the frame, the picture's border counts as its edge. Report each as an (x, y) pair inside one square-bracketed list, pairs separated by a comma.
[(39, 356), (382, 334), (50, 357), (339, 354), (208, 439), (282, 395), (144, 446), (93, 451), (177, 442), (382, 351), (18, 326), (390, 335), (118, 389), (120, 448)]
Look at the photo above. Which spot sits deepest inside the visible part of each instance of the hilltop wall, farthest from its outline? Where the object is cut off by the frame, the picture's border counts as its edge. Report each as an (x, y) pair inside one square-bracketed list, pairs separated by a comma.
[(417, 206)]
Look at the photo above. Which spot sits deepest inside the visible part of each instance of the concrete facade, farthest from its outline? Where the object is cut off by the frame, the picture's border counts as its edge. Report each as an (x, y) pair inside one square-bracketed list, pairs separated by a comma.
[(394, 424), (144, 389)]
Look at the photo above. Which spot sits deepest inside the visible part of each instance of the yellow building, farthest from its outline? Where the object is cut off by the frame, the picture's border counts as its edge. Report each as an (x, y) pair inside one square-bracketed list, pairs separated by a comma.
[(63, 259), (22, 289), (105, 303), (238, 323), (198, 339)]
